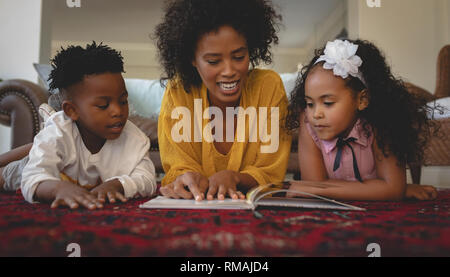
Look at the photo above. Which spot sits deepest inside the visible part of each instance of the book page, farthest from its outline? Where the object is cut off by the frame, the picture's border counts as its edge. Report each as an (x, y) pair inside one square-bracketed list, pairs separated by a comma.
[(262, 196), (162, 202)]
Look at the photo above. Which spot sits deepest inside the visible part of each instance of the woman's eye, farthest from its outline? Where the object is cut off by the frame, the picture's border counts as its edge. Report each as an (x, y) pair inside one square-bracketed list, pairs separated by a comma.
[(213, 62), (309, 105)]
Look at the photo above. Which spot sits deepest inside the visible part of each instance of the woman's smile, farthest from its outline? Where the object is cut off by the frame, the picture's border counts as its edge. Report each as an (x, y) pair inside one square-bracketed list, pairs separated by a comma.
[(229, 88)]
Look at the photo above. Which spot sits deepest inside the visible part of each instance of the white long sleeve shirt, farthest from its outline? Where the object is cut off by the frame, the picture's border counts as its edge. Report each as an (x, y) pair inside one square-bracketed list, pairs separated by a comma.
[(59, 148)]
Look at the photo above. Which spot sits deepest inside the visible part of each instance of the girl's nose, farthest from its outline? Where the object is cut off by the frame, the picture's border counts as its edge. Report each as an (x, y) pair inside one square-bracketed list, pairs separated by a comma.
[(317, 113)]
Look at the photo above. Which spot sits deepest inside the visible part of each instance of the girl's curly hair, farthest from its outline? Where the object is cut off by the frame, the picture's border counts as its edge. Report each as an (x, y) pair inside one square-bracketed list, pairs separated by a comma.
[(398, 118), (185, 21)]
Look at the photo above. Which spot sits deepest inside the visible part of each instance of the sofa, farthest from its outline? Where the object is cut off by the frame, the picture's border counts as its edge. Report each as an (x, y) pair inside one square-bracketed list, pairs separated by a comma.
[(437, 152)]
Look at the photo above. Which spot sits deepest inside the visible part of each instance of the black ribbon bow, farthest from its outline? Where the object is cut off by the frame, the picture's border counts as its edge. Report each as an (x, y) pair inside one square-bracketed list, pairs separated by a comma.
[(337, 162)]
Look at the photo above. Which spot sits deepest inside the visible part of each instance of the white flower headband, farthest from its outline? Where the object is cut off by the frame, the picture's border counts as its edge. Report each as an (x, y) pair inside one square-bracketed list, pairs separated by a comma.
[(341, 56)]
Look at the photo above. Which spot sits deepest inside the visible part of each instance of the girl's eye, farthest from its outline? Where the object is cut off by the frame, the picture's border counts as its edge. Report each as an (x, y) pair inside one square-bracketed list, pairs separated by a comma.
[(309, 105)]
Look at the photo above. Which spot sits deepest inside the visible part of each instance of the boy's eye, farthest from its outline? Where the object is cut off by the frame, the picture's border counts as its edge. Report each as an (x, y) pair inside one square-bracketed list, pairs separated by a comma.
[(102, 107)]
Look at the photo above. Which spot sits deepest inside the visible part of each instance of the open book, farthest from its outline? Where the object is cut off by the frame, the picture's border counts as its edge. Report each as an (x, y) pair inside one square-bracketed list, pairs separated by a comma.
[(272, 195)]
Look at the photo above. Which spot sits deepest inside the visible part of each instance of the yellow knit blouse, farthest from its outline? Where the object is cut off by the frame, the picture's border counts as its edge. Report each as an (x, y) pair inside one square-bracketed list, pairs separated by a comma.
[(263, 88)]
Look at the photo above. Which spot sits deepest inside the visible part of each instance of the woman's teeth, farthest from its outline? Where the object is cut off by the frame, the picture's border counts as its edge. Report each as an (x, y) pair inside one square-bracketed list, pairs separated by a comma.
[(228, 86)]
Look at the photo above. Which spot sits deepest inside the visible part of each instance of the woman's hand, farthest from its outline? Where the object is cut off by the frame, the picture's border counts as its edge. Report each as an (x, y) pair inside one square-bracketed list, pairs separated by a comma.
[(194, 181), (113, 189), (224, 183), (420, 192)]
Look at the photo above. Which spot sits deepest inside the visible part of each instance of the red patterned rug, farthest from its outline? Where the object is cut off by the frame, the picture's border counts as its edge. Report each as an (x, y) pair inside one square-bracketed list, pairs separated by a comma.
[(409, 228)]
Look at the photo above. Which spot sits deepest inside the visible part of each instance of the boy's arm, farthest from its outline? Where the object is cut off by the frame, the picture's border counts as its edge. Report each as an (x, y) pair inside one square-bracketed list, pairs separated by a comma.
[(142, 178), (44, 161), (142, 181)]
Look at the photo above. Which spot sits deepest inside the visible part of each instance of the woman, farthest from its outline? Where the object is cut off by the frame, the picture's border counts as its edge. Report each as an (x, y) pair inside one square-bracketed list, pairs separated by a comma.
[(206, 49)]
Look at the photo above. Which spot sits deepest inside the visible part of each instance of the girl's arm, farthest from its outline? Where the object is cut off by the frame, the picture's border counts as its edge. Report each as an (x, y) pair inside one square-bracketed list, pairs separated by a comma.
[(390, 185)]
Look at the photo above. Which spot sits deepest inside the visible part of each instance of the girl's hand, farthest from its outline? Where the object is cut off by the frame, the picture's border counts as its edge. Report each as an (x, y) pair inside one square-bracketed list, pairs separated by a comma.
[(420, 192), (112, 189), (223, 183), (71, 195), (196, 183)]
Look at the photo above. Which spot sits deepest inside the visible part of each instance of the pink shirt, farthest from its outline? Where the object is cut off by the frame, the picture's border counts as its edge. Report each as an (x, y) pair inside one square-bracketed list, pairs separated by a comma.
[(363, 153)]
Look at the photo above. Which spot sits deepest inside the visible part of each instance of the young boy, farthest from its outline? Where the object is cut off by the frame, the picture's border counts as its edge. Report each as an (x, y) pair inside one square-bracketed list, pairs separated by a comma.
[(89, 151)]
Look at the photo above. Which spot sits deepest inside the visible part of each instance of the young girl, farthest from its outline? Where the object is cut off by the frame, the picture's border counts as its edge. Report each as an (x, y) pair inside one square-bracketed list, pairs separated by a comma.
[(206, 48), (359, 126)]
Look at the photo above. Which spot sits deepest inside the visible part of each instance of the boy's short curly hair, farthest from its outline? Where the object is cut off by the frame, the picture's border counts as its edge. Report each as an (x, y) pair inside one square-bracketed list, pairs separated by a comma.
[(185, 21), (72, 64)]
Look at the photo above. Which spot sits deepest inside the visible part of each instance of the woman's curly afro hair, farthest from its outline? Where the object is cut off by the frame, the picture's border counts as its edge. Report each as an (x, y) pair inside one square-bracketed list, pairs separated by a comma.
[(72, 64), (185, 21), (398, 118)]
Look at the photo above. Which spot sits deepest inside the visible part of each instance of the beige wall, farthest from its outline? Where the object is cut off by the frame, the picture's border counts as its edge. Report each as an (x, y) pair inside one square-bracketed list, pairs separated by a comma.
[(20, 26), (410, 32)]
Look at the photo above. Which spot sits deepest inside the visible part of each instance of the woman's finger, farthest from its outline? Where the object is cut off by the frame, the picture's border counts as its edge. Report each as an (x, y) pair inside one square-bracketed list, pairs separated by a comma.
[(195, 192), (212, 190), (232, 193), (167, 191), (203, 184), (241, 195), (222, 192), (193, 186), (180, 190)]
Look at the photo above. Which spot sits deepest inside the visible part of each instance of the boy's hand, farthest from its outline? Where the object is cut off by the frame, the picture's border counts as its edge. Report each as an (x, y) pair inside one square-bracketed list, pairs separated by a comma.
[(224, 183), (420, 192), (71, 195), (112, 189)]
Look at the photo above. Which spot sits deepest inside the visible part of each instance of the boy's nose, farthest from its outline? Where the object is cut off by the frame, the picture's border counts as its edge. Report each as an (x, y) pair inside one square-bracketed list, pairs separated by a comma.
[(116, 111)]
